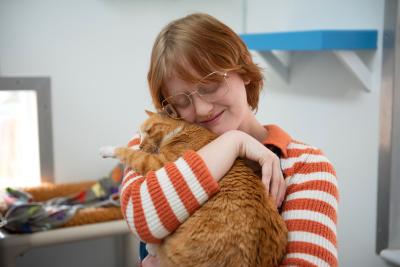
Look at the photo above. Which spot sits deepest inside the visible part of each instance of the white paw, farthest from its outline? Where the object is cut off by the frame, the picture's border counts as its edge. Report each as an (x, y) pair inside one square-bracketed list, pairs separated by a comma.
[(107, 151)]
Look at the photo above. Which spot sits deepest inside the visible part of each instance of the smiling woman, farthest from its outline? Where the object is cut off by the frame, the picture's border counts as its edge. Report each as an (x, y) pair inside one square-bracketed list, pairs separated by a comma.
[(210, 88), (298, 177), (26, 151)]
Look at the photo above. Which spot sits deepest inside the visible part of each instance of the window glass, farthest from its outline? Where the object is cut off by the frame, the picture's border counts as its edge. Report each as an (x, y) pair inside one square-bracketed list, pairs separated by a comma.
[(19, 139)]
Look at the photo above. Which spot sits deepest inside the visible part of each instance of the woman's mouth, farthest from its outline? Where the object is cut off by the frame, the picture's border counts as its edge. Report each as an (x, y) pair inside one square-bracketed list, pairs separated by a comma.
[(213, 119)]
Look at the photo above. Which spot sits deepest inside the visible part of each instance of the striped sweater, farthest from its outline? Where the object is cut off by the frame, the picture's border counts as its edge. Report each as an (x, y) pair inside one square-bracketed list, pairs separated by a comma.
[(155, 205)]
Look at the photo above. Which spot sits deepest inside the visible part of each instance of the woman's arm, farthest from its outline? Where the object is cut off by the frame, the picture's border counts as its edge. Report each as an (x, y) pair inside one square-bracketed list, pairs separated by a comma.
[(310, 207), (154, 205), (222, 152)]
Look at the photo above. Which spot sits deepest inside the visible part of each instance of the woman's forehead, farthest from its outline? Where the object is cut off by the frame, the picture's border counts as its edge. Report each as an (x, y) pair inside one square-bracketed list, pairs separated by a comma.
[(183, 76), (175, 85), (185, 72)]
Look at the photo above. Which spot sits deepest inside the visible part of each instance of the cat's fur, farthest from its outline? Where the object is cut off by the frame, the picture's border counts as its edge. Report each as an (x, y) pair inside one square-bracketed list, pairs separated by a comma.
[(238, 227)]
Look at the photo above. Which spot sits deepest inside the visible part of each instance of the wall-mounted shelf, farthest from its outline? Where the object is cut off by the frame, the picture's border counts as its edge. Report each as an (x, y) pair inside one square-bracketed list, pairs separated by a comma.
[(276, 48)]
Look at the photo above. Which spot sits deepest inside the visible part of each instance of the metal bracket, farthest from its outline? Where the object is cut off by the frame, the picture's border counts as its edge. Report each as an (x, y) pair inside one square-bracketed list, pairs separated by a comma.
[(356, 66), (278, 60), (280, 63)]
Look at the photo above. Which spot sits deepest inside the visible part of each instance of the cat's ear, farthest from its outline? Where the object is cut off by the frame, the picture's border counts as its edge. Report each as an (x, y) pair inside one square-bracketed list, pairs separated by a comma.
[(149, 113)]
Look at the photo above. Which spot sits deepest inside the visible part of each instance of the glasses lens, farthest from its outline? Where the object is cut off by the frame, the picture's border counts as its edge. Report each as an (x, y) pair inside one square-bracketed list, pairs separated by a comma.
[(212, 87), (177, 106), (171, 111), (180, 101)]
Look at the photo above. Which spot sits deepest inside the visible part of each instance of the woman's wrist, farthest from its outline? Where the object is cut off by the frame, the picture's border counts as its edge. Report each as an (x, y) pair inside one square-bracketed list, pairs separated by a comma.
[(220, 154)]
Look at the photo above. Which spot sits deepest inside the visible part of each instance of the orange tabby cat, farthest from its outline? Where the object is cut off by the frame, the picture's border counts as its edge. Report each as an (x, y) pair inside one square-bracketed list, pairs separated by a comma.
[(238, 227)]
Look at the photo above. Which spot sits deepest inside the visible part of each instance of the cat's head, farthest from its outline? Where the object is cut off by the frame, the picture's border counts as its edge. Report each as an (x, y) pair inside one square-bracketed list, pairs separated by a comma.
[(158, 129)]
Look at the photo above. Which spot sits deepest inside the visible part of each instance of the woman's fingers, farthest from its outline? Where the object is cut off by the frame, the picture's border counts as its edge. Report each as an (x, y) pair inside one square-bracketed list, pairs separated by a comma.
[(276, 180), (281, 188), (266, 176), (273, 180), (272, 176), (150, 261), (282, 192)]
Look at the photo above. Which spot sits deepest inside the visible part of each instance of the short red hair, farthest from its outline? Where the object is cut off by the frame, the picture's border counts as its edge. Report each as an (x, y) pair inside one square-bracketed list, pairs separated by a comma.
[(206, 45)]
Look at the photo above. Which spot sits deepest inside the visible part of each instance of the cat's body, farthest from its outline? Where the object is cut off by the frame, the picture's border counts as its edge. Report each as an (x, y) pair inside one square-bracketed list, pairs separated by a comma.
[(239, 226)]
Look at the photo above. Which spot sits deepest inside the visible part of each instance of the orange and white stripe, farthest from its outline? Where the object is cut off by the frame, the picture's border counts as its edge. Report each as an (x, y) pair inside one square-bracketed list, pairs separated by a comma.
[(157, 204), (310, 208), (135, 141)]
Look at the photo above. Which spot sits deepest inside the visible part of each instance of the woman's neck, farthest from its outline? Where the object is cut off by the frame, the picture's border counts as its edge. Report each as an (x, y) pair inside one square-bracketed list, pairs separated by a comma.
[(254, 128)]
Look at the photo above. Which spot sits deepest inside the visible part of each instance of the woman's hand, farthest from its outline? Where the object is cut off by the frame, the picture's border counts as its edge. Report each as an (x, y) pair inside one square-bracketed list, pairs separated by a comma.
[(220, 154), (150, 261), (272, 176)]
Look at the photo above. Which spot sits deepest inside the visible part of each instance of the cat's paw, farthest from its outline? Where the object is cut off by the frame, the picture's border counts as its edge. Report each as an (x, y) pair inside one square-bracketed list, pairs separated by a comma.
[(107, 151)]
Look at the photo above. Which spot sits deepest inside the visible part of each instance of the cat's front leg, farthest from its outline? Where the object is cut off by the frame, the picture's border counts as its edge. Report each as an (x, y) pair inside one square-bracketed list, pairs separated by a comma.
[(107, 151)]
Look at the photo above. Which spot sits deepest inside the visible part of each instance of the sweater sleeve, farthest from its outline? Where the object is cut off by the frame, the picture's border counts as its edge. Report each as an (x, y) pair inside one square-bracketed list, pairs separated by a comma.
[(310, 207), (155, 205)]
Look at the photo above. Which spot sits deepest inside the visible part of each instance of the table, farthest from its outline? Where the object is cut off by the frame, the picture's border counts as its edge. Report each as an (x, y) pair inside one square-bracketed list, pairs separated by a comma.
[(13, 245)]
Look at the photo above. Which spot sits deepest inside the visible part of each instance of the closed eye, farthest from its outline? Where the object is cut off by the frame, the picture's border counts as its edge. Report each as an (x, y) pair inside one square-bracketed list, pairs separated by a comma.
[(208, 88)]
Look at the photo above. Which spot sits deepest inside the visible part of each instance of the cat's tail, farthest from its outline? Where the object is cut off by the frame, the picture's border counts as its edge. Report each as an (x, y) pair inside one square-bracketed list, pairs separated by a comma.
[(107, 151)]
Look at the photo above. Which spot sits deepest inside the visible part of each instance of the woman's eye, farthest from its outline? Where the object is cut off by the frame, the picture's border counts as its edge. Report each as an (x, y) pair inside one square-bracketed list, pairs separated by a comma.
[(208, 88), (181, 101)]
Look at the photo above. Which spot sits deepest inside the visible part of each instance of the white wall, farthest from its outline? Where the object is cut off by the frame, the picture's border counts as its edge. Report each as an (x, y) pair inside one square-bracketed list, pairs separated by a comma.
[(323, 104), (97, 54)]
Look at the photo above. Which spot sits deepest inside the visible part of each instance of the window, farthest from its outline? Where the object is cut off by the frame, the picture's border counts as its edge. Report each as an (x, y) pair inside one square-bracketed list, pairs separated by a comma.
[(19, 138), (26, 156)]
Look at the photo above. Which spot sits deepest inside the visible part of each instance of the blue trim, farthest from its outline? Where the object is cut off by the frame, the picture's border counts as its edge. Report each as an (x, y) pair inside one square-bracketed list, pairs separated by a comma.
[(312, 40), (142, 251)]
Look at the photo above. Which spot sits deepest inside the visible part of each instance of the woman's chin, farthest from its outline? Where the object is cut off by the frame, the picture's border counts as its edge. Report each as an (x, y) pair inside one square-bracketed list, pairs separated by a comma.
[(220, 129)]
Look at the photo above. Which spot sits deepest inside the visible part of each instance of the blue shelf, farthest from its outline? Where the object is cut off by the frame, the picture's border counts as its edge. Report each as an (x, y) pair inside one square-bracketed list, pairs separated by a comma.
[(312, 40)]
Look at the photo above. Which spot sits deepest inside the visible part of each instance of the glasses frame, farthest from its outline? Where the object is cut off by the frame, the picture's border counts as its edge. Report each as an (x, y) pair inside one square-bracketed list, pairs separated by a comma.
[(224, 74)]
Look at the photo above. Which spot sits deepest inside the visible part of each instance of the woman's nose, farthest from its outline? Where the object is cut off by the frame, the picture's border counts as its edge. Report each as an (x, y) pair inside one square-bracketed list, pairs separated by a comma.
[(202, 108)]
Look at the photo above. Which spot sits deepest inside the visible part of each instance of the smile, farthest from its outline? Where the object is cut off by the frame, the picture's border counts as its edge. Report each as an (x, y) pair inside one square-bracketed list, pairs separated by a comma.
[(213, 119)]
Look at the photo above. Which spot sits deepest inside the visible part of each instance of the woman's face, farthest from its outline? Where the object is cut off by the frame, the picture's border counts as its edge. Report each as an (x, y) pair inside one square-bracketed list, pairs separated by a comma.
[(228, 112)]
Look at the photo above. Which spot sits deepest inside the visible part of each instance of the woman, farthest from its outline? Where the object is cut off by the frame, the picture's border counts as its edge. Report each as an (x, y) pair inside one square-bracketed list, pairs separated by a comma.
[(202, 72)]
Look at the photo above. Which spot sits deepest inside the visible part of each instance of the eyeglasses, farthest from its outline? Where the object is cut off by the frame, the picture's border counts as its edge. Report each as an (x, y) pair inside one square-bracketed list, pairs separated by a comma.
[(210, 88)]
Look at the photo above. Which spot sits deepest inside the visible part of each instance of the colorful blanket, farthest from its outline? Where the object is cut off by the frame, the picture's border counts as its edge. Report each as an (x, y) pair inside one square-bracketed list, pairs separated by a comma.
[(23, 215)]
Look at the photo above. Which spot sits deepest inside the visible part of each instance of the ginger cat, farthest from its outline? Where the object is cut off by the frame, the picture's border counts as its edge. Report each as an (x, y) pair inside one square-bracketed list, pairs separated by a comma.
[(238, 227)]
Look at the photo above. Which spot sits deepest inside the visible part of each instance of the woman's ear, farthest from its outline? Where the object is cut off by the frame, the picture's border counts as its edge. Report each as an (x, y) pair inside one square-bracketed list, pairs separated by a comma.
[(246, 80)]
